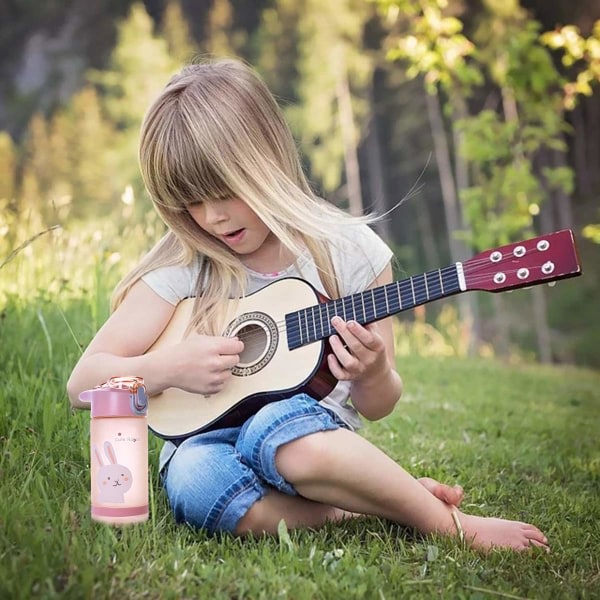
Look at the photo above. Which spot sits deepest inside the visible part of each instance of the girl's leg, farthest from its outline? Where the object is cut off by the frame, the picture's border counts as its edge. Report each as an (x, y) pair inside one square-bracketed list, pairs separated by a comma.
[(340, 468), (264, 516), (207, 484), (258, 443), (297, 512)]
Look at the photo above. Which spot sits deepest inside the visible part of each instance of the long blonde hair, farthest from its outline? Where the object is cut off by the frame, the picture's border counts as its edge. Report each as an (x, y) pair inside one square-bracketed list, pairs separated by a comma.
[(217, 132)]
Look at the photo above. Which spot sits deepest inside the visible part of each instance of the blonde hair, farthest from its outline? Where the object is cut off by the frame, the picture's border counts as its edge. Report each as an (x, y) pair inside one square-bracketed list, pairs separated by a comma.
[(217, 132)]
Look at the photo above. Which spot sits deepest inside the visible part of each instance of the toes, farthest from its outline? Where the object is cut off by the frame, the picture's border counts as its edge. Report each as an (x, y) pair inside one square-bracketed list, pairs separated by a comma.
[(445, 493), (533, 533), (450, 495), (459, 494), (542, 545)]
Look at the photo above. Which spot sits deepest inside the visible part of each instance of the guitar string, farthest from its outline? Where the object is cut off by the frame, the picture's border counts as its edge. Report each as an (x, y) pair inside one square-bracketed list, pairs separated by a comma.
[(473, 277)]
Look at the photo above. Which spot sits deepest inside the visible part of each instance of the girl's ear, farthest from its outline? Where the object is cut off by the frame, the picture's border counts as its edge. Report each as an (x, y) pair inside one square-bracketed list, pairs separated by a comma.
[(110, 452), (98, 457)]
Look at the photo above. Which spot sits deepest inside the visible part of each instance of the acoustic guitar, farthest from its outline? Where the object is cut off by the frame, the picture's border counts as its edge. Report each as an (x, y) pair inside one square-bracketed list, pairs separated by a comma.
[(285, 327)]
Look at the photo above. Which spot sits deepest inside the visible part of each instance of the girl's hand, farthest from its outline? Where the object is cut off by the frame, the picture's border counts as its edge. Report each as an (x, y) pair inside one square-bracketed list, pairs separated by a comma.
[(202, 364), (359, 351)]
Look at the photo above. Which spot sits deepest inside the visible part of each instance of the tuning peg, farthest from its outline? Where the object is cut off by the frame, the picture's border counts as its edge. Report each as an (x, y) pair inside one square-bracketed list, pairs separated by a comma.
[(551, 283)]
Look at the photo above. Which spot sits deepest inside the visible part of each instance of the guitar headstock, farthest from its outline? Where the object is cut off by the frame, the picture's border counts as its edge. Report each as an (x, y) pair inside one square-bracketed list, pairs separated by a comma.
[(538, 260)]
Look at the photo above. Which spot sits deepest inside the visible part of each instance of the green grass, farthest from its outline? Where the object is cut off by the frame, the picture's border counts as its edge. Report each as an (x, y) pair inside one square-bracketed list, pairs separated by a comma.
[(523, 441)]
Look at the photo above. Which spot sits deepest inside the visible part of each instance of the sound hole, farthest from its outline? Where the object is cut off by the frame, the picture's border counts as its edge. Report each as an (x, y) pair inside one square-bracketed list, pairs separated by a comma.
[(260, 335), (255, 340)]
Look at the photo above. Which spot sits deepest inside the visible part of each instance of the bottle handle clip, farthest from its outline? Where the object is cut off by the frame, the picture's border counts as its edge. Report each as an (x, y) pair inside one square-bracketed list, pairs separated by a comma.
[(137, 391)]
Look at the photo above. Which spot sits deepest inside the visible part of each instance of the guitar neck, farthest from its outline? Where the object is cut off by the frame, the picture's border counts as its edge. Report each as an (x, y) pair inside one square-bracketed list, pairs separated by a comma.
[(314, 323)]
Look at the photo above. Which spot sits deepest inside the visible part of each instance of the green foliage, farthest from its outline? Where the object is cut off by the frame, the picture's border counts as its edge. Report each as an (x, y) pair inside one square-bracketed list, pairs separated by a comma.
[(592, 231), (501, 148), (129, 85), (8, 161), (221, 37), (330, 55), (581, 55), (177, 34), (434, 45), (276, 47)]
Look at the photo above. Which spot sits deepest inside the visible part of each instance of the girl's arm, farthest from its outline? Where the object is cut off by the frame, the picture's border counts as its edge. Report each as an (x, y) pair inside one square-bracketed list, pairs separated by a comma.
[(119, 349), (365, 355)]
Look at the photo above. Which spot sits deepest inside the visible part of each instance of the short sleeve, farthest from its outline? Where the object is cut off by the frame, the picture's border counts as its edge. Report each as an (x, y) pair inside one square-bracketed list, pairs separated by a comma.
[(360, 257), (173, 283)]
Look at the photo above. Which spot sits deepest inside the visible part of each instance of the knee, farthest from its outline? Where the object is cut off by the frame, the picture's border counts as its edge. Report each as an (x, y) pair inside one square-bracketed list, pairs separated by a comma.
[(304, 459), (194, 483)]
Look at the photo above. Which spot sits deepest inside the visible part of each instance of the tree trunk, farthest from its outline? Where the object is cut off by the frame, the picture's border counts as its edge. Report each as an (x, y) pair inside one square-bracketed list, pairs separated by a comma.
[(450, 200), (426, 235), (544, 337), (592, 129), (540, 316), (501, 337), (346, 116), (444, 164), (562, 200), (580, 142), (461, 169), (377, 186)]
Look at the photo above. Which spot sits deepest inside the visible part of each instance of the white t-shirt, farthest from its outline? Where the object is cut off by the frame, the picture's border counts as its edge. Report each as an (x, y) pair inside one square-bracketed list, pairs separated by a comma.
[(358, 258)]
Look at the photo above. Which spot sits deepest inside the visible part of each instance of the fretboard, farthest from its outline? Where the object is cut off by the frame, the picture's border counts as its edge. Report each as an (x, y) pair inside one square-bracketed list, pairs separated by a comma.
[(314, 323)]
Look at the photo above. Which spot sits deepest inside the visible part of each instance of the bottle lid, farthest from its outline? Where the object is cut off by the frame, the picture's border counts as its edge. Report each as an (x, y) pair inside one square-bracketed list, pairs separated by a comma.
[(118, 397)]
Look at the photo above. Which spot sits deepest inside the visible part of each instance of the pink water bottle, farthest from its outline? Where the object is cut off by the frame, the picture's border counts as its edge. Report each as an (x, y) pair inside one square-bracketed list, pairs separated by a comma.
[(119, 450)]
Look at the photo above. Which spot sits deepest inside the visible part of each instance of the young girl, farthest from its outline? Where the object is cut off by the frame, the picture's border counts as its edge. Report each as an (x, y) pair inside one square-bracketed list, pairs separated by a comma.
[(223, 172)]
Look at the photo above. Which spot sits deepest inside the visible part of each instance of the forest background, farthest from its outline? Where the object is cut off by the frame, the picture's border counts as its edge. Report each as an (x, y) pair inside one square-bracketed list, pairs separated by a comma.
[(482, 117)]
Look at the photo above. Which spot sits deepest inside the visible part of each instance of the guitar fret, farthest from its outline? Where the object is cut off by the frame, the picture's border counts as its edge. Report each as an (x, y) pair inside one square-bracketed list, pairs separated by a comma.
[(345, 301), (450, 279), (419, 289), (368, 308), (374, 303), (405, 294), (339, 308), (412, 289), (306, 325), (441, 280), (321, 318), (362, 300), (435, 290), (379, 302), (394, 290), (359, 307), (300, 327)]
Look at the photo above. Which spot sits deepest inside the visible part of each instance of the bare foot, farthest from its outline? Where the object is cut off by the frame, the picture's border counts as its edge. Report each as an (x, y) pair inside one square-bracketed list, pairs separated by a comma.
[(445, 493), (488, 532)]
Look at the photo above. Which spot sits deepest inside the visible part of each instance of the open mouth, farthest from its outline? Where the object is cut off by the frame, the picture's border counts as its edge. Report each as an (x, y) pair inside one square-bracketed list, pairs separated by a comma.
[(234, 236)]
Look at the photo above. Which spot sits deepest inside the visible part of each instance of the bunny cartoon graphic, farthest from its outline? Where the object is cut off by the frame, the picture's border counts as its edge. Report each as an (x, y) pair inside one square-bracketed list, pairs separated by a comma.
[(113, 480)]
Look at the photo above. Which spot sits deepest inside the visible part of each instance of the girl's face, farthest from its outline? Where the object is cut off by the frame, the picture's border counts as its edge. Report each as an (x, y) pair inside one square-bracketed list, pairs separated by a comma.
[(232, 222)]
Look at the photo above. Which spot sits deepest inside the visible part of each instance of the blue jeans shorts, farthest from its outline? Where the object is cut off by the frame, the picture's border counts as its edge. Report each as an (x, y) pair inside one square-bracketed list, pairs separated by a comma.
[(213, 478)]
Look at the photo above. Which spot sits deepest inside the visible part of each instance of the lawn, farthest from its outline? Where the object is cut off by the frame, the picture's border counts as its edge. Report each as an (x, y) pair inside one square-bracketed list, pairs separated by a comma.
[(521, 439)]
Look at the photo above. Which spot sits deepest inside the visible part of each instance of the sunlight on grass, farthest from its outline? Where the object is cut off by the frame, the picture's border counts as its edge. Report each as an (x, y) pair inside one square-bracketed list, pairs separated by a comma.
[(522, 440)]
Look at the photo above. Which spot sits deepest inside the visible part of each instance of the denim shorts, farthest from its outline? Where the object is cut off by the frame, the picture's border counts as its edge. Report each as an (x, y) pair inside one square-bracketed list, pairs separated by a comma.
[(213, 478)]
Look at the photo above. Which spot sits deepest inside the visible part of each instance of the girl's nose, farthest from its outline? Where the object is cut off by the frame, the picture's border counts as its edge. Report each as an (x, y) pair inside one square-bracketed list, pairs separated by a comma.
[(214, 212)]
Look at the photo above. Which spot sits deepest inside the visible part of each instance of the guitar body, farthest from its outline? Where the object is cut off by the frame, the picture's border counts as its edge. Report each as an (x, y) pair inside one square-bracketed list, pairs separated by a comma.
[(267, 371)]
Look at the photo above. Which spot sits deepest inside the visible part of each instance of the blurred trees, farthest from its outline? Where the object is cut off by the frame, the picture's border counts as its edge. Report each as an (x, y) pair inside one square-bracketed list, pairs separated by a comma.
[(129, 85), (504, 109)]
